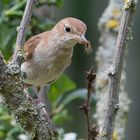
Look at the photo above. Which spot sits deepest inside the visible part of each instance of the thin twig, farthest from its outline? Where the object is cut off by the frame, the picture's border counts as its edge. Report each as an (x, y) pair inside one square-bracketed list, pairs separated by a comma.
[(115, 71), (92, 131), (90, 78), (22, 29), (109, 24)]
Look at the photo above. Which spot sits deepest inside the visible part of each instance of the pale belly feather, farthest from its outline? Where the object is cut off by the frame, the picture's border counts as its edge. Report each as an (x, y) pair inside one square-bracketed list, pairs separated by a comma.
[(46, 67)]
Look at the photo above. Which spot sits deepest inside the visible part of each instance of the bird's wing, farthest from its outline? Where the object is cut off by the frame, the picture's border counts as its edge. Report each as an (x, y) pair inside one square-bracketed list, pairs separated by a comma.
[(30, 46)]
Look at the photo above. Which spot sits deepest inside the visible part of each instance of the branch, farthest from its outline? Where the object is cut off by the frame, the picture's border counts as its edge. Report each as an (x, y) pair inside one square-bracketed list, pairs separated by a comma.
[(115, 71), (92, 131), (22, 29), (30, 115)]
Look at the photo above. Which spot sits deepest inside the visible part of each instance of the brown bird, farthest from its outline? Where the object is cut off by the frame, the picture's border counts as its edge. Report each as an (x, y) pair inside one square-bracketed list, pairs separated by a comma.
[(49, 53)]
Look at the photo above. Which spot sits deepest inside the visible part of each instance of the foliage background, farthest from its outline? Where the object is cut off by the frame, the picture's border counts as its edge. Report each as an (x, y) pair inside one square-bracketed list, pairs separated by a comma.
[(65, 98)]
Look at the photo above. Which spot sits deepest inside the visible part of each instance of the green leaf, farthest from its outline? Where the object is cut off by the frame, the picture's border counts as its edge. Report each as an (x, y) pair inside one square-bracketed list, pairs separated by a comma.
[(58, 3), (77, 94), (61, 86), (16, 7), (2, 135), (61, 133), (13, 13), (61, 117), (7, 40), (13, 132)]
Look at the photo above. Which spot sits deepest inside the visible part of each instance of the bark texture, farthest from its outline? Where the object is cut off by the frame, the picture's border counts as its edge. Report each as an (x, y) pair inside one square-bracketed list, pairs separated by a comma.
[(115, 26), (30, 115)]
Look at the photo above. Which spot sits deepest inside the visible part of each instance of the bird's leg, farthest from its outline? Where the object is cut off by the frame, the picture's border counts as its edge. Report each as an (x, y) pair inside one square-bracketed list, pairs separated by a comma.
[(40, 97), (38, 89)]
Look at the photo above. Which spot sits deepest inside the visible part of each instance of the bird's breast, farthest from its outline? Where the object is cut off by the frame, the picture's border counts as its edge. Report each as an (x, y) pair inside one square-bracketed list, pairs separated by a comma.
[(46, 64)]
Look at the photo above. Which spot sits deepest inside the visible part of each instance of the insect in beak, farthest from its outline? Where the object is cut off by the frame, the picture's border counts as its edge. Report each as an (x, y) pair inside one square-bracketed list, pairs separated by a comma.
[(85, 43)]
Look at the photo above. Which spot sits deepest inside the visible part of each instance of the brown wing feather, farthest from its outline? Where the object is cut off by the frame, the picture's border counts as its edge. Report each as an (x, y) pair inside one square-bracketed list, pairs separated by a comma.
[(30, 46)]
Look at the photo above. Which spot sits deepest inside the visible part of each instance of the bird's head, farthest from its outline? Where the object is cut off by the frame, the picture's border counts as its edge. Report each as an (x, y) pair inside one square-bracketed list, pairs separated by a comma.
[(71, 31)]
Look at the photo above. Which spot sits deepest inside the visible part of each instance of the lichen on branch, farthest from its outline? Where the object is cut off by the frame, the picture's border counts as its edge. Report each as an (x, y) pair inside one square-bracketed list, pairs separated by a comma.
[(31, 116), (115, 26)]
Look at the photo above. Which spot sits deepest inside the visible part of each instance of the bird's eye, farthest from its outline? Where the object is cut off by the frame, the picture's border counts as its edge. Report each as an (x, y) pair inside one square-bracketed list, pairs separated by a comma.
[(67, 29)]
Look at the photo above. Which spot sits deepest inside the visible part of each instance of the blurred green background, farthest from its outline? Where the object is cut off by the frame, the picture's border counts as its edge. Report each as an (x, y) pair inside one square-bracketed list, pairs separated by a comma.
[(68, 116)]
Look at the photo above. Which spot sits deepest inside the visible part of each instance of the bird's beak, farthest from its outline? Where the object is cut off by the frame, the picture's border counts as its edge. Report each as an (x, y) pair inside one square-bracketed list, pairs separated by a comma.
[(83, 41)]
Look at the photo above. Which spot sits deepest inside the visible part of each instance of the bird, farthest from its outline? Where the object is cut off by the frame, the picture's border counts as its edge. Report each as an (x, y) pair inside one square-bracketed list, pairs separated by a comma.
[(48, 54)]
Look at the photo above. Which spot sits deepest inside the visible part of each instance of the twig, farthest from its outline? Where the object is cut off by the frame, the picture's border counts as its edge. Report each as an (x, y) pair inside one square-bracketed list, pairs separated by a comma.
[(90, 76), (115, 71), (109, 24), (92, 131), (22, 29)]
